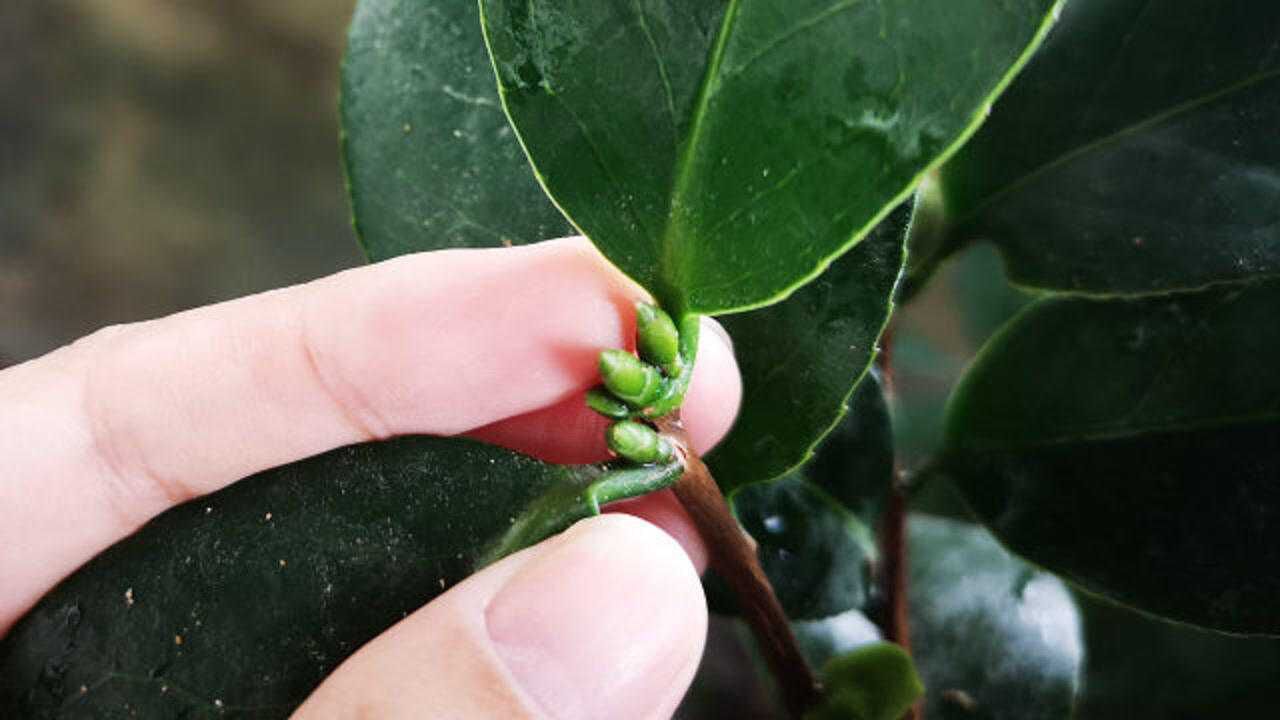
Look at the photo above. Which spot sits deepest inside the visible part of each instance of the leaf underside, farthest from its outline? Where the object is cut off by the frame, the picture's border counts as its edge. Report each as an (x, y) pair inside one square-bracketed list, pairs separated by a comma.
[(722, 153)]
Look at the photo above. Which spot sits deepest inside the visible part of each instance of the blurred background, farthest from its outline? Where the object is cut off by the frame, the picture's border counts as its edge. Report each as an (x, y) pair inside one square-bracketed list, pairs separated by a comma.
[(156, 155)]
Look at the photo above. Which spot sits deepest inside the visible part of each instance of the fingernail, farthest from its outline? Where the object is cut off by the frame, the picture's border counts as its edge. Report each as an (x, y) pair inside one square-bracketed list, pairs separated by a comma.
[(610, 623)]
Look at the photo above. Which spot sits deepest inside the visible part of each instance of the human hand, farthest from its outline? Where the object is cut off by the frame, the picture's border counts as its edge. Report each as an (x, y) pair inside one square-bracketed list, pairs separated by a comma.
[(605, 620)]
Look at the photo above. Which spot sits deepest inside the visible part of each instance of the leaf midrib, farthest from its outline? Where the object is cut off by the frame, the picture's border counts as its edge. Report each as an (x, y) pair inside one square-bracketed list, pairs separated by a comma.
[(1113, 137), (684, 157)]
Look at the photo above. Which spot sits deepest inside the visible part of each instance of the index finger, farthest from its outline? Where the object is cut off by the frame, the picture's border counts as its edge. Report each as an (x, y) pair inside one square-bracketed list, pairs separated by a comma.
[(103, 435)]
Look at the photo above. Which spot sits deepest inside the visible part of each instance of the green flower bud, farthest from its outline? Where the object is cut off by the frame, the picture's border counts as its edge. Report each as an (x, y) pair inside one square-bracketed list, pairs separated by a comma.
[(657, 336), (603, 402), (638, 443), (636, 382)]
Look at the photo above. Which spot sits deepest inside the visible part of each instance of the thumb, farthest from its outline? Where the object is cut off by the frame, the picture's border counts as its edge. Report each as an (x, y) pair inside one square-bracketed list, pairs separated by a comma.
[(606, 620)]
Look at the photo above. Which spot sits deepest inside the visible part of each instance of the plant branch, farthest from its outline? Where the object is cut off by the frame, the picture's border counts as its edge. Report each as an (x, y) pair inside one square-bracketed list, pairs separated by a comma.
[(734, 558), (895, 623), (893, 571)]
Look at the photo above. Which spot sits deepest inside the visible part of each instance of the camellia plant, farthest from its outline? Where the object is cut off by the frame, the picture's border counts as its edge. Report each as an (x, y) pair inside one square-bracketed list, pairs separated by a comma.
[(798, 169)]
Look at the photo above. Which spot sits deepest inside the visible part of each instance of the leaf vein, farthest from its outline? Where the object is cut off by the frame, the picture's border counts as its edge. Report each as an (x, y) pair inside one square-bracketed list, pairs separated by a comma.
[(662, 69), (791, 33)]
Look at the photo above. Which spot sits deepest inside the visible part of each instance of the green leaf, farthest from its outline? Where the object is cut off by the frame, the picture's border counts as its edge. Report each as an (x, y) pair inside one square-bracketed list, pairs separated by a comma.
[(817, 555), (431, 160), (801, 359), (1137, 153), (874, 682), (722, 153), (1141, 667), (994, 638), (1132, 447), (855, 462), (243, 601)]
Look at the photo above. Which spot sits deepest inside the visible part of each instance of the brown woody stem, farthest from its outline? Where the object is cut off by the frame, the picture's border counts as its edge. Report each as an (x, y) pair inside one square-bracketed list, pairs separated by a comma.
[(895, 562), (734, 558), (893, 542)]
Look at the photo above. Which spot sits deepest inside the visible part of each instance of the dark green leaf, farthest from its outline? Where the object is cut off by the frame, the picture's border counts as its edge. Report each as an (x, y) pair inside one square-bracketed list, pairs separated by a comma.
[(1133, 446), (1139, 151), (855, 462), (800, 359), (815, 538), (722, 153), (1139, 667), (242, 601), (817, 555), (994, 638), (431, 160)]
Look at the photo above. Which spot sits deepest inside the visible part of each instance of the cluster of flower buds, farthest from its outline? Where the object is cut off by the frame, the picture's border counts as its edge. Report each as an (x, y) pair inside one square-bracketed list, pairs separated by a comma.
[(638, 390)]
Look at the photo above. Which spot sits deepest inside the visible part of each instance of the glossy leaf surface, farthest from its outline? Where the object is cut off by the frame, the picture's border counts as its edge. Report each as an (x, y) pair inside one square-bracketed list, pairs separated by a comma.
[(721, 153), (431, 161), (1138, 152), (994, 637), (801, 359), (241, 602), (816, 553), (1131, 446)]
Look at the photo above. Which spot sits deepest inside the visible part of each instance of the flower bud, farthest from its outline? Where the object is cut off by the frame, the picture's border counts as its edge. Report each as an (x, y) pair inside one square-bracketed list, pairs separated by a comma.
[(638, 443), (632, 380), (656, 335)]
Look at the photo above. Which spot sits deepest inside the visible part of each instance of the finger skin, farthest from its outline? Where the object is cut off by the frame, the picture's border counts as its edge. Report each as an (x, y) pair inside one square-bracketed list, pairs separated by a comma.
[(102, 435), (605, 621)]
